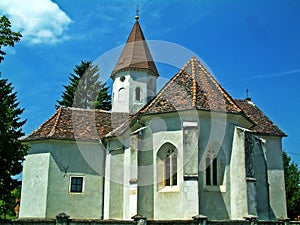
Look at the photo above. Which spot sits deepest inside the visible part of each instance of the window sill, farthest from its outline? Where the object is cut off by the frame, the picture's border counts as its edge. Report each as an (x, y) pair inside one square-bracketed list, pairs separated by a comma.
[(221, 188), (76, 193), (170, 189)]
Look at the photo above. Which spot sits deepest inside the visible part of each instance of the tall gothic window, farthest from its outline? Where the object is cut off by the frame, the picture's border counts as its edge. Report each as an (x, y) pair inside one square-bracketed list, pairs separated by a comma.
[(138, 94), (211, 170), (214, 167), (167, 165)]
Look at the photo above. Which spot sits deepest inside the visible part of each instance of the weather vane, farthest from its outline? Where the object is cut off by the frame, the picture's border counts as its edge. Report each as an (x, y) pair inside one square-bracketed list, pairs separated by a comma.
[(137, 12)]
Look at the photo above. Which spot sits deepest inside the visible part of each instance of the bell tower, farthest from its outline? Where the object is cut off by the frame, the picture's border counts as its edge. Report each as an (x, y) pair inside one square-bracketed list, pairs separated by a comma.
[(135, 74)]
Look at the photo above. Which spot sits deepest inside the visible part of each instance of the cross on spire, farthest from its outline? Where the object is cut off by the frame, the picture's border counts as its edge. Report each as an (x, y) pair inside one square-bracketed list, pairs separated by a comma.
[(247, 95), (137, 12)]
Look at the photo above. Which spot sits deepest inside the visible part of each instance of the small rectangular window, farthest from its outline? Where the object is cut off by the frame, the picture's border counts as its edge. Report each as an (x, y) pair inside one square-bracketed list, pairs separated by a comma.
[(76, 184)]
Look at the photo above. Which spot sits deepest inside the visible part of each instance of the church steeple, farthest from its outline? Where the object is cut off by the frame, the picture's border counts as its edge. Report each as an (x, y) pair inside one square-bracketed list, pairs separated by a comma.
[(136, 53), (134, 75)]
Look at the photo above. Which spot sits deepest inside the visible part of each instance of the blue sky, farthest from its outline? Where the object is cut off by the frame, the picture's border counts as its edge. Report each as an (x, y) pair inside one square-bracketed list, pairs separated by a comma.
[(247, 44)]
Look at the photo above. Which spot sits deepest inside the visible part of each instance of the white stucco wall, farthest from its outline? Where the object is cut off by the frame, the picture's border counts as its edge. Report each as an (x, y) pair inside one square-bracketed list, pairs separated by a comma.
[(276, 177), (35, 186), (124, 91), (234, 198), (49, 195), (173, 196), (238, 186)]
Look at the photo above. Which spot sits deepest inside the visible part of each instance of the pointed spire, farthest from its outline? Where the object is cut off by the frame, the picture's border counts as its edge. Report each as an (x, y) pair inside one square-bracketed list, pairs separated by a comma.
[(136, 53)]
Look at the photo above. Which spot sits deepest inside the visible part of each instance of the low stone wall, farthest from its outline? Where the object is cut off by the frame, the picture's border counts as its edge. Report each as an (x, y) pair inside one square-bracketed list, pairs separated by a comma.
[(63, 219), (120, 222)]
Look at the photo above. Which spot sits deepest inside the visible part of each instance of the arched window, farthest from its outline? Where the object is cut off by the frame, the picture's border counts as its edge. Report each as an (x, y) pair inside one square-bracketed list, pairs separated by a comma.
[(138, 94), (211, 169), (167, 158), (151, 83), (214, 165), (121, 95)]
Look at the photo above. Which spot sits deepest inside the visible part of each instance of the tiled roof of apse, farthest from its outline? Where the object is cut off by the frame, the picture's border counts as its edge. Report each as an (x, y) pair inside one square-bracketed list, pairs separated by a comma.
[(193, 87)]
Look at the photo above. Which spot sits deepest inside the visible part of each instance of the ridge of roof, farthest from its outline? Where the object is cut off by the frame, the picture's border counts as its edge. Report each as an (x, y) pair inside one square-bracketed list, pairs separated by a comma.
[(47, 122), (194, 84), (264, 125), (55, 122), (192, 87), (136, 53), (83, 109)]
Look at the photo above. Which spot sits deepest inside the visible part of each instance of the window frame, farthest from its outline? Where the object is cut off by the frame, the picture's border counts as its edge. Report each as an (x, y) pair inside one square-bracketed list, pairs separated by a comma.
[(216, 170), (137, 94), (167, 168), (71, 185), (211, 170), (170, 165)]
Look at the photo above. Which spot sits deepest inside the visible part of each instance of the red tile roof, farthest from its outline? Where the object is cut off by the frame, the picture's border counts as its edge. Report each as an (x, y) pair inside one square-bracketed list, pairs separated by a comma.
[(264, 125), (136, 53), (193, 87), (78, 124)]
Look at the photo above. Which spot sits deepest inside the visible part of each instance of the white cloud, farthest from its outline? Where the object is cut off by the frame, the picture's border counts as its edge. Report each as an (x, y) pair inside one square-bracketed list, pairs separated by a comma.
[(39, 21), (274, 74)]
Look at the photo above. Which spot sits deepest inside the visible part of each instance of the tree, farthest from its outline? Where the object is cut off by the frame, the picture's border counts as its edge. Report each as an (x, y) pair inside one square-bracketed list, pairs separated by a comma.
[(7, 36), (12, 204), (85, 90), (292, 186), (12, 150)]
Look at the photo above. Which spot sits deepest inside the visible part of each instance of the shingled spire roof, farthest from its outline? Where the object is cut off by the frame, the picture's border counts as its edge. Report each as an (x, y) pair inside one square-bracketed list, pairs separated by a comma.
[(193, 87), (135, 54)]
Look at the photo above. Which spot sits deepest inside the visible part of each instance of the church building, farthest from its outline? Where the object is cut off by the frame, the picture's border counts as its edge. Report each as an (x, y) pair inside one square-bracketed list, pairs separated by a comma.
[(190, 149)]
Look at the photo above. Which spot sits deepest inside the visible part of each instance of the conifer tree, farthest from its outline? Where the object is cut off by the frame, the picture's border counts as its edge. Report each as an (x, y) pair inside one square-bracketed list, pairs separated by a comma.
[(85, 90), (12, 150)]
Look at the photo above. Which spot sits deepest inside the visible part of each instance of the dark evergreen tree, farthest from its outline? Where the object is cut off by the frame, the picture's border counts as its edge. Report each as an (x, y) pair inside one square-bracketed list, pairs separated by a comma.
[(7, 36), (292, 186), (12, 150), (85, 90)]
